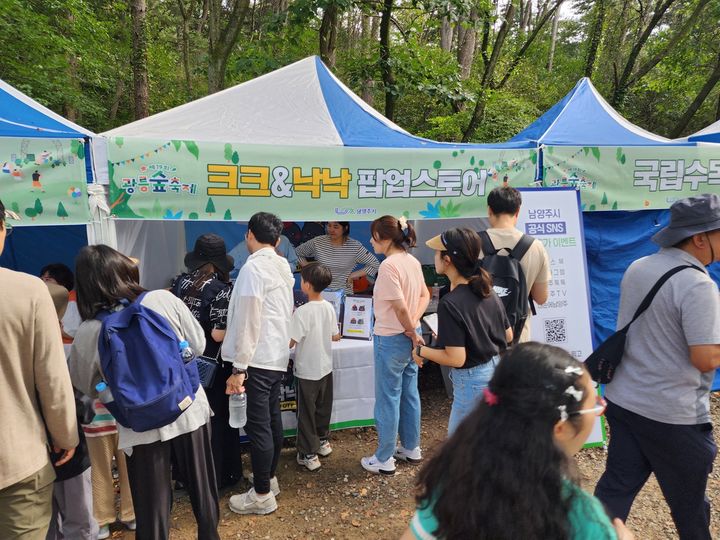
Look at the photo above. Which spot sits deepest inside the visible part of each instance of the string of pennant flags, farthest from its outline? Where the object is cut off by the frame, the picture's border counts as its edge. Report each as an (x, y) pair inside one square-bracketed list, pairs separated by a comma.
[(144, 155)]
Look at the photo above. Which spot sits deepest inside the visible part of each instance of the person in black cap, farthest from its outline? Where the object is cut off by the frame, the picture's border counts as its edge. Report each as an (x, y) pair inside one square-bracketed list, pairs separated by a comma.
[(658, 401), (205, 288)]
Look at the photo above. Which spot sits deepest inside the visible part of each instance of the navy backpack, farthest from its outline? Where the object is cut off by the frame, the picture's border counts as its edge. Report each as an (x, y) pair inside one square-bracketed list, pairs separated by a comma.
[(141, 361)]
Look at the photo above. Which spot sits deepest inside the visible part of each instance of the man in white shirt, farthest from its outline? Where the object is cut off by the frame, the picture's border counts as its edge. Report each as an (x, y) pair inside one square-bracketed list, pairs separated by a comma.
[(256, 343)]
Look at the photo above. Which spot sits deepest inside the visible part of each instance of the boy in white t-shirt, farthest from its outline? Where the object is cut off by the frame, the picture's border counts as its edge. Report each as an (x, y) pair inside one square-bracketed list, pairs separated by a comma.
[(313, 329)]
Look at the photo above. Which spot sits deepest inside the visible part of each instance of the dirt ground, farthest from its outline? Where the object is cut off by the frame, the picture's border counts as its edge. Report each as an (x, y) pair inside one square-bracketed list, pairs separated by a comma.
[(341, 500)]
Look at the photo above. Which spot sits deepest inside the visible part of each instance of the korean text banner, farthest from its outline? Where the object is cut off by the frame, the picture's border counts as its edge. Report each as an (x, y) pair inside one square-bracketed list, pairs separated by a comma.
[(633, 178), (156, 179), (44, 180)]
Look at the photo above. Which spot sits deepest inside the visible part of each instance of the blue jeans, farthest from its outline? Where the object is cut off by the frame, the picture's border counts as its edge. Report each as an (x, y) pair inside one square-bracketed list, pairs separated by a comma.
[(468, 385), (397, 401)]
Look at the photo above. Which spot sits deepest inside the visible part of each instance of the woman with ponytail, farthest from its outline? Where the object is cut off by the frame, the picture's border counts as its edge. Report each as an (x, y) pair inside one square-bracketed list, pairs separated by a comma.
[(473, 328), (506, 472), (400, 298)]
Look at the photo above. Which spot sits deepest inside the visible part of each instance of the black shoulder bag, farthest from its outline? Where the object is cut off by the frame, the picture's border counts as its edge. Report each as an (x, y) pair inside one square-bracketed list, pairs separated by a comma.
[(604, 360)]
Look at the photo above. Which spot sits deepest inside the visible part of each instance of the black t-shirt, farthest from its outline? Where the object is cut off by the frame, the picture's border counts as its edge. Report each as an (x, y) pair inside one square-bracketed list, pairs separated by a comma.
[(478, 324)]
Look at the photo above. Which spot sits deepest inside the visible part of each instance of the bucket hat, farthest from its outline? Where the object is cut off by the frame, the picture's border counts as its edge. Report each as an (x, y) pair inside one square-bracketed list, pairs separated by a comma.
[(209, 248), (693, 215)]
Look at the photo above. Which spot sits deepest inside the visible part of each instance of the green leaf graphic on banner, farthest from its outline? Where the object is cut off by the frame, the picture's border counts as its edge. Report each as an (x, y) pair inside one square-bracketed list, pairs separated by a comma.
[(586, 150), (451, 210), (228, 151), (235, 158), (592, 208), (618, 153), (38, 207), (533, 158), (472, 160), (15, 207), (80, 152), (193, 148), (31, 213), (119, 141), (177, 145), (622, 159), (228, 215), (74, 143), (437, 164), (193, 215), (596, 152)]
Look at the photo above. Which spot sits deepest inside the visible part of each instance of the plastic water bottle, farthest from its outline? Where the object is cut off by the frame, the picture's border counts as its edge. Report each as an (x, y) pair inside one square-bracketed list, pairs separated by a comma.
[(186, 352), (104, 392), (238, 410)]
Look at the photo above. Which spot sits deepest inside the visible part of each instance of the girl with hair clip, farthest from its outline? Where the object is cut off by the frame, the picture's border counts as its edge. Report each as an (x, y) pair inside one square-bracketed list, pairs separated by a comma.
[(400, 298), (507, 472), (473, 328)]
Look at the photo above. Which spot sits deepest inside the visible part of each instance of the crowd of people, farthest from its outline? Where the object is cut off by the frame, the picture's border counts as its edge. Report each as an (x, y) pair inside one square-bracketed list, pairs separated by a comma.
[(520, 409)]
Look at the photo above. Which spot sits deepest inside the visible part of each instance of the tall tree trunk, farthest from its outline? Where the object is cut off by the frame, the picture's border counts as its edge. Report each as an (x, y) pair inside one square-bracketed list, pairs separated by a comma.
[(466, 47), (119, 92), (553, 40), (370, 33), (328, 35), (698, 101), (623, 83), (185, 15), (222, 38), (138, 12), (595, 37), (388, 77), (446, 34), (488, 73)]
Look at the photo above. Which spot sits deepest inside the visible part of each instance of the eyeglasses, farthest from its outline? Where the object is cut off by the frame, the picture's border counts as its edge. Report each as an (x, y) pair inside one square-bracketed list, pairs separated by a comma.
[(597, 410)]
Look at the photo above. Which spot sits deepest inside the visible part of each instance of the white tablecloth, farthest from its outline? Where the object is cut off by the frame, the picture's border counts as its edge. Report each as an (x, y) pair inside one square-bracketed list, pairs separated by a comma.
[(353, 387)]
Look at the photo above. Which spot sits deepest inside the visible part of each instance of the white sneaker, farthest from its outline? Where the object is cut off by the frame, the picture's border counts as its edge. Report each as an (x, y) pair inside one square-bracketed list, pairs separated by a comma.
[(130, 525), (309, 461), (325, 449), (375, 466), (413, 456), (249, 503), (274, 486), (104, 532)]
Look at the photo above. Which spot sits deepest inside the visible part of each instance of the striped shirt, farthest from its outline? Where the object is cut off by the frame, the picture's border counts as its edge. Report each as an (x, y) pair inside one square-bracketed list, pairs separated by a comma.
[(341, 260), (102, 423)]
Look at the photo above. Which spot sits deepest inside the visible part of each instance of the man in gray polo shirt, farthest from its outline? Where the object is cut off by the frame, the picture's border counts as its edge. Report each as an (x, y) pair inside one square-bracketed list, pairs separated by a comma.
[(658, 401)]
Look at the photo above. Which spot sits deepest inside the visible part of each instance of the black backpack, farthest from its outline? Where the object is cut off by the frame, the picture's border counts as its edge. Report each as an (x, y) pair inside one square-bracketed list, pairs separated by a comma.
[(508, 279)]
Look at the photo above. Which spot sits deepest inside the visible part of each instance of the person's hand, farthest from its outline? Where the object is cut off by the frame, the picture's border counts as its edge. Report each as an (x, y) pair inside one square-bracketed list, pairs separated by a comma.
[(234, 384), (419, 360), (66, 456), (415, 337), (623, 533)]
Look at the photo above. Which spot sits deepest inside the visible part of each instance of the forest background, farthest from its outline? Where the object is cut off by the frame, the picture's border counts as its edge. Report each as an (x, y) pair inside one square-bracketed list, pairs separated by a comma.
[(454, 70)]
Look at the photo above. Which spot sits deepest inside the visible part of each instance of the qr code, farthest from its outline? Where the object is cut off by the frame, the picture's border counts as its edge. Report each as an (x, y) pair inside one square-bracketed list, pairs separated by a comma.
[(555, 331)]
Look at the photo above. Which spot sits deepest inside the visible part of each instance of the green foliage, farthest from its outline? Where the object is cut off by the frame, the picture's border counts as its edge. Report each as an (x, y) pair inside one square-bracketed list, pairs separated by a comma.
[(74, 57), (210, 207)]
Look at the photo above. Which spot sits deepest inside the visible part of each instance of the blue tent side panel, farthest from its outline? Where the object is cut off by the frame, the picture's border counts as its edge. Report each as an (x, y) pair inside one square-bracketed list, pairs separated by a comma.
[(708, 137), (613, 240), (31, 248)]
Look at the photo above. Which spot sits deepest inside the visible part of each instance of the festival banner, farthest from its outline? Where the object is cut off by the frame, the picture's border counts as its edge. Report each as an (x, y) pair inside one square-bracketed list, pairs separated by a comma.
[(44, 180), (633, 178), (553, 217), (161, 179)]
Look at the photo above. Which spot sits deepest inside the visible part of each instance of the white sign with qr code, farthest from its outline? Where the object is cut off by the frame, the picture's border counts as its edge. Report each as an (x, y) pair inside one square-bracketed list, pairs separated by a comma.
[(553, 217)]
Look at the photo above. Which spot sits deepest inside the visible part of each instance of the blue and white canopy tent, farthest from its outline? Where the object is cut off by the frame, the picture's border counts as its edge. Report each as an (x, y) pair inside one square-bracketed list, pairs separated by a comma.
[(710, 134), (613, 239), (30, 248), (302, 104)]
